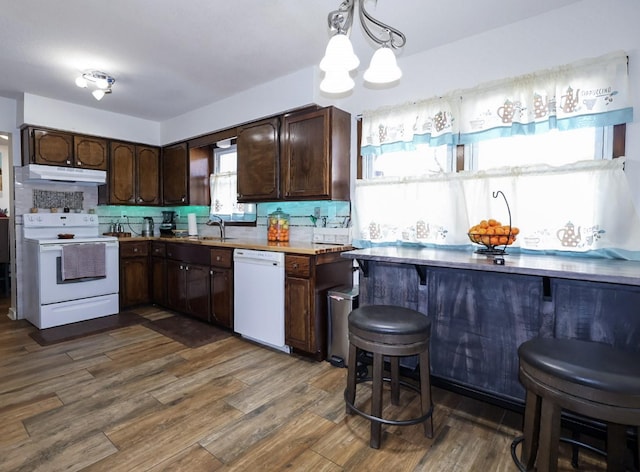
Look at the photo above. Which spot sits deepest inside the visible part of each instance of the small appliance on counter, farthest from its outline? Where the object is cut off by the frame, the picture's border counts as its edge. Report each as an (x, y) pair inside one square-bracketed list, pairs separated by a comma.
[(168, 224), (147, 226)]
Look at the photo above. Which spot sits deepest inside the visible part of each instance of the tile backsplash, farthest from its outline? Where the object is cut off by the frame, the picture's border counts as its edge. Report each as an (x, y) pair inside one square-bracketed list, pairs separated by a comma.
[(57, 199)]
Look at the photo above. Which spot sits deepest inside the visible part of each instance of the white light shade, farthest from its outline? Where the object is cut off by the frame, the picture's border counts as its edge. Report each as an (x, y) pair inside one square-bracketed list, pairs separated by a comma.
[(81, 82), (339, 55), (102, 83), (383, 68), (337, 81), (224, 144), (98, 94)]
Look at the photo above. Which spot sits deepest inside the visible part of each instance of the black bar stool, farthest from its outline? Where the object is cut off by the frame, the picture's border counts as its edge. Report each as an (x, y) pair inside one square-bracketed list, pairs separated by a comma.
[(588, 378), (395, 332)]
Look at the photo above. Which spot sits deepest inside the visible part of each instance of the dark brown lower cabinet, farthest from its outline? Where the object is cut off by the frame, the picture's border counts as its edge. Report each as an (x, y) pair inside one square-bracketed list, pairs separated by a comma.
[(158, 274), (221, 287), (307, 281), (134, 273), (188, 288)]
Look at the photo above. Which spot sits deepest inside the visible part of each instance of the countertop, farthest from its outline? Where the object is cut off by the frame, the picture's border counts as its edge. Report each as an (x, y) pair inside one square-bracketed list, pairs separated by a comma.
[(567, 267), (293, 247)]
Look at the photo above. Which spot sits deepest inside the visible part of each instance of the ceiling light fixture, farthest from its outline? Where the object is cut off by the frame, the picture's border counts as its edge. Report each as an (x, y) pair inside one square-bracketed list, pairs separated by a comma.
[(339, 58), (101, 80)]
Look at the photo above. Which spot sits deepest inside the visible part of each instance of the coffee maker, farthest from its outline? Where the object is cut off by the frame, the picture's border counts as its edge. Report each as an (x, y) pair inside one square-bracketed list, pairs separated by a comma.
[(168, 223)]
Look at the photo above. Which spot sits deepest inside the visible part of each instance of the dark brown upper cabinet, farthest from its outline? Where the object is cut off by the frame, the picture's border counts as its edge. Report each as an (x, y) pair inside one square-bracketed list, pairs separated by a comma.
[(134, 174), (258, 151), (303, 155), (315, 155), (90, 152), (59, 148), (175, 175)]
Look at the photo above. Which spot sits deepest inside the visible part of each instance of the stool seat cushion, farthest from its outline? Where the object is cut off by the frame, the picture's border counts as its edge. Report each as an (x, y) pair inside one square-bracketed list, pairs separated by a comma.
[(388, 319), (588, 363)]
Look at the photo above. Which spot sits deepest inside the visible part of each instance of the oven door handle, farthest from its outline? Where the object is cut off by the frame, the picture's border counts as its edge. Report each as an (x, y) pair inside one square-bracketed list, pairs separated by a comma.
[(58, 247)]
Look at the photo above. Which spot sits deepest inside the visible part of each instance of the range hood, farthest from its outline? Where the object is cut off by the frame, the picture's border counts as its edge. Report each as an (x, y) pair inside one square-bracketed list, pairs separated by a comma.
[(38, 172)]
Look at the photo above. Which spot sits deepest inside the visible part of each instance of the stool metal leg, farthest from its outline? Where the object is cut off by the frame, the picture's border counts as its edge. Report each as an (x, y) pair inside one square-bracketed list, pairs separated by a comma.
[(531, 430), (425, 392), (616, 447), (395, 380), (376, 400), (549, 436), (352, 368)]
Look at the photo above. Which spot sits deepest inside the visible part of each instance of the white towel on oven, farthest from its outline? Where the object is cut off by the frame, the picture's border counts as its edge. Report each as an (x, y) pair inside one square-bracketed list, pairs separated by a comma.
[(83, 260)]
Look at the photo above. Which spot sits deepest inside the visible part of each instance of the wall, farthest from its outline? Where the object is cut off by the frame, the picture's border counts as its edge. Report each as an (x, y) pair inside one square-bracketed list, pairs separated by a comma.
[(285, 93), (4, 165), (51, 113)]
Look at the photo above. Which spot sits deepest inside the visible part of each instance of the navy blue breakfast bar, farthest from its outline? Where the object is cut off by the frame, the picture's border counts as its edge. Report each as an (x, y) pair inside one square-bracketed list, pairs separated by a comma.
[(482, 311)]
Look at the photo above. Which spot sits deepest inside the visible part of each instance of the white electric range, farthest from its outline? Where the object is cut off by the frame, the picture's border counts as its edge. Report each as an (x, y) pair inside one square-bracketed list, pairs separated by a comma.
[(87, 287)]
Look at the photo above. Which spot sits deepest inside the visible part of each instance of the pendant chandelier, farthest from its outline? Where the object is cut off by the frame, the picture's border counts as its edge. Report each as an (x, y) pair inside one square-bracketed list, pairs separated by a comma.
[(339, 59)]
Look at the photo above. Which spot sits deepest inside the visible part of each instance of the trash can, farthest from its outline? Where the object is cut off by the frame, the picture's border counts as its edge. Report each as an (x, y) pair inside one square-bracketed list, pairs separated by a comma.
[(341, 300)]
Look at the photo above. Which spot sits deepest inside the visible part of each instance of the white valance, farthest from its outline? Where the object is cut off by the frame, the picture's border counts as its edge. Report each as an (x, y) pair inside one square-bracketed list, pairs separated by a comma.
[(592, 92)]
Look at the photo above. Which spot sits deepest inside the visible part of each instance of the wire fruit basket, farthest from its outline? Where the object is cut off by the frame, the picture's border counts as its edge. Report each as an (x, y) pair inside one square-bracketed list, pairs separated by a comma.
[(490, 234)]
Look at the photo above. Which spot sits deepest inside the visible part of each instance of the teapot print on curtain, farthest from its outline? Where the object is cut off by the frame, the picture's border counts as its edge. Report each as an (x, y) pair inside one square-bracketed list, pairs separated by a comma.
[(569, 101), (568, 236)]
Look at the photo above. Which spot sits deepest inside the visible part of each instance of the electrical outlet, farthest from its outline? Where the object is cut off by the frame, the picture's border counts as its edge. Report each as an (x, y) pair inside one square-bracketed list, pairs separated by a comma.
[(123, 214), (316, 212)]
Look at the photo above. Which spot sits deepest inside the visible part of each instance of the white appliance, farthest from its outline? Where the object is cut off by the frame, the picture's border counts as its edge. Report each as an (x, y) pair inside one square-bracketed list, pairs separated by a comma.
[(52, 299), (258, 278), (76, 175)]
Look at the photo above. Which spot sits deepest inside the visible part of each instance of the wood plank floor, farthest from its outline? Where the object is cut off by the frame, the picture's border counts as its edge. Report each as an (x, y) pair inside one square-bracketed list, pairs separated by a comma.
[(134, 400)]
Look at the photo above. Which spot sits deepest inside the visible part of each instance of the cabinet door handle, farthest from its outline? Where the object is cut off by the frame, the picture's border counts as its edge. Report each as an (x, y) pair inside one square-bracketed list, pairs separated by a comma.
[(295, 266), (186, 267), (68, 162), (79, 163), (135, 249), (217, 258)]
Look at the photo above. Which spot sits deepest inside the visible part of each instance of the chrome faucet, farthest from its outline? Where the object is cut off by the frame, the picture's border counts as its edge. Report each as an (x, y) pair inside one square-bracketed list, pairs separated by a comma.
[(219, 223)]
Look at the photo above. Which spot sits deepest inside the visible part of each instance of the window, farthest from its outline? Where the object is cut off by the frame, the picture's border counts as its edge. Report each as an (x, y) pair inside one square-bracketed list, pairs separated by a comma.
[(554, 148), (223, 186), (423, 160)]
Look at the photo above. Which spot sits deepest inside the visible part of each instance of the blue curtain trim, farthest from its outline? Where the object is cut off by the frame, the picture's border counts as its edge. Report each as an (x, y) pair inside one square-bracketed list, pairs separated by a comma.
[(609, 118)]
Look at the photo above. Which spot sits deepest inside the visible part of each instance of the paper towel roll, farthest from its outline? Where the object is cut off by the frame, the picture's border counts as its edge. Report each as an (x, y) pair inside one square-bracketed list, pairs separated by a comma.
[(192, 225)]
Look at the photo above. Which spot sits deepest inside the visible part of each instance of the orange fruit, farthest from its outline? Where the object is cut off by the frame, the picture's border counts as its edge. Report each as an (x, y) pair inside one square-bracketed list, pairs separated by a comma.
[(484, 224)]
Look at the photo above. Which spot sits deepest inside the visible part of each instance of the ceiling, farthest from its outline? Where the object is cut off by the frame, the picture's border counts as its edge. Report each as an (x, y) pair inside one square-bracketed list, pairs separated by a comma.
[(173, 56)]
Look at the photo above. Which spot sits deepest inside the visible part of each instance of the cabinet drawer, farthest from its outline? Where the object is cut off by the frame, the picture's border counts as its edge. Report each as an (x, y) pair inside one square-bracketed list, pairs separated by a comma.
[(188, 253), (158, 249), (136, 249), (299, 266), (221, 258)]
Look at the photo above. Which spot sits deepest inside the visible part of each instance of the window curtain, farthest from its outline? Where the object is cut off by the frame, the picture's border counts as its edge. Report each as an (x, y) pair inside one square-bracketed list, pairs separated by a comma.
[(566, 208), (592, 92), (401, 128), (223, 191)]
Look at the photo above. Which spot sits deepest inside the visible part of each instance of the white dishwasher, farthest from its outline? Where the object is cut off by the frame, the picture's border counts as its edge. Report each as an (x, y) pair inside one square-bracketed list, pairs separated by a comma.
[(258, 278)]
